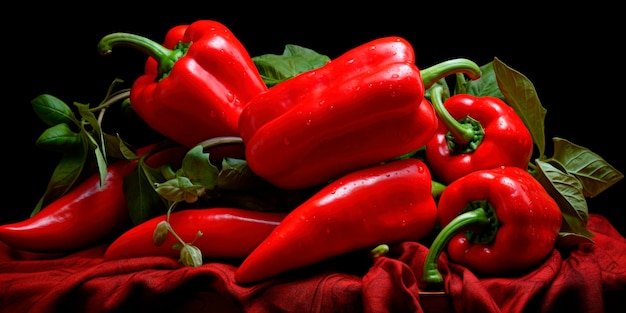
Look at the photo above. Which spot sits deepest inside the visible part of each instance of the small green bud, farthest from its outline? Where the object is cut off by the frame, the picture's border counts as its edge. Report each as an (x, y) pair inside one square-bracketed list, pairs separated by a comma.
[(190, 256), (379, 250), (160, 232)]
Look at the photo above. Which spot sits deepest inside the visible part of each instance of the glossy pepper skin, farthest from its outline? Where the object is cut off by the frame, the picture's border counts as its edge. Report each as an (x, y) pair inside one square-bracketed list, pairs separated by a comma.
[(226, 233), (360, 109), (501, 139), (384, 204), (196, 89), (496, 222), (81, 217), (86, 215)]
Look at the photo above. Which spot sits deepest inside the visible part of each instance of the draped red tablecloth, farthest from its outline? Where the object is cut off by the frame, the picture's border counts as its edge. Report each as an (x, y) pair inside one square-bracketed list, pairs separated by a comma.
[(591, 278)]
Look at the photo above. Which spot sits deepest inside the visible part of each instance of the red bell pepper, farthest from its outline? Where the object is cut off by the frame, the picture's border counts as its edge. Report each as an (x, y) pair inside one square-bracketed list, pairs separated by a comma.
[(360, 109), (499, 221), (196, 89), (384, 204), (226, 233), (475, 133)]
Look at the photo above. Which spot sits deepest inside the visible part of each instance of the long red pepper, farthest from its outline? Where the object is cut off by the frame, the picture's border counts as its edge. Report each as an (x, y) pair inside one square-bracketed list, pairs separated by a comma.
[(384, 204), (84, 216), (226, 233)]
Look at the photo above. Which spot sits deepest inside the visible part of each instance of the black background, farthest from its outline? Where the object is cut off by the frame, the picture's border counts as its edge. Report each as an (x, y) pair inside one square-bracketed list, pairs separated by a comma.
[(572, 57)]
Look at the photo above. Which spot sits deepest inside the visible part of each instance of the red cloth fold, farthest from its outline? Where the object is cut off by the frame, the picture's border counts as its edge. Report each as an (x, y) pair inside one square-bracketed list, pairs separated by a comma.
[(591, 278)]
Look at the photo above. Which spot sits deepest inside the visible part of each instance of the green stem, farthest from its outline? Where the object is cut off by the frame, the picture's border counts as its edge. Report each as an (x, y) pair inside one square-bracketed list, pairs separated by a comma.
[(532, 169), (462, 133), (165, 144), (218, 141), (438, 71), (437, 189), (431, 274), (169, 226), (379, 250), (164, 56), (121, 95)]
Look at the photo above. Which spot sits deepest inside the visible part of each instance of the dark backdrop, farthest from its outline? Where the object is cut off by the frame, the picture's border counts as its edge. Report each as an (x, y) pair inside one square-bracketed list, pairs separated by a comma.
[(571, 61)]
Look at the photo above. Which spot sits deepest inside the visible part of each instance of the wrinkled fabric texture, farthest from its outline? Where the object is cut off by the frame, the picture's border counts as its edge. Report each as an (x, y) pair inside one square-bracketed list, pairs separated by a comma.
[(591, 278)]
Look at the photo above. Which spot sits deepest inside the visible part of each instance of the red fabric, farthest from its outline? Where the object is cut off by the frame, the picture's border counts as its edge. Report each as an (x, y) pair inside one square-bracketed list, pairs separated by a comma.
[(589, 279)]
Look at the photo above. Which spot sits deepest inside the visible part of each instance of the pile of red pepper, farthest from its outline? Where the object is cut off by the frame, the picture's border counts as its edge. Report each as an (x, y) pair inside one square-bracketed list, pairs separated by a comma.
[(278, 162)]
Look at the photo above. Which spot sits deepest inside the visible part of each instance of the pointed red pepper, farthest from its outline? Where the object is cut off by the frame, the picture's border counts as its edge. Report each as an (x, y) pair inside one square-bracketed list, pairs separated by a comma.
[(196, 89), (87, 214), (83, 216), (384, 204), (226, 233)]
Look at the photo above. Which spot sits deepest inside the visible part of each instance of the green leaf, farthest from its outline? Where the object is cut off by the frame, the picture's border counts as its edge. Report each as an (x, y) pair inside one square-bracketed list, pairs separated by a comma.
[(236, 175), (486, 85), (520, 93), (197, 167), (142, 199), (572, 240), (52, 111), (100, 159), (93, 132), (117, 148), (180, 189), (594, 173), (90, 120), (59, 138), (566, 190), (88, 117), (294, 60), (191, 189), (65, 175)]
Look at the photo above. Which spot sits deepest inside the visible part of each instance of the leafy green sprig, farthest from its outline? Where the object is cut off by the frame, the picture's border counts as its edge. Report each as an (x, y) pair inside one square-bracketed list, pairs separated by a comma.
[(78, 136)]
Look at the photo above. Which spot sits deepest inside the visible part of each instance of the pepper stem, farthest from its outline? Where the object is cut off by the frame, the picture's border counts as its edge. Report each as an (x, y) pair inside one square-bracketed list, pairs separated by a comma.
[(464, 135), (164, 56), (438, 71), (219, 141), (481, 216), (379, 250), (437, 189)]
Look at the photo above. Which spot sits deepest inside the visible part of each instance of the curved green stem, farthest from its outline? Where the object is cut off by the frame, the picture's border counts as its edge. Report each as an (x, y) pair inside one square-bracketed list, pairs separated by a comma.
[(431, 274), (218, 141), (462, 133), (438, 71), (121, 95), (167, 220), (164, 56)]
